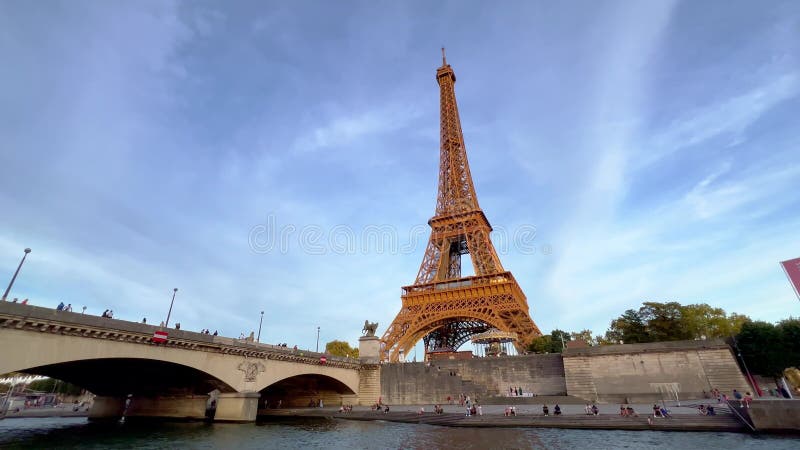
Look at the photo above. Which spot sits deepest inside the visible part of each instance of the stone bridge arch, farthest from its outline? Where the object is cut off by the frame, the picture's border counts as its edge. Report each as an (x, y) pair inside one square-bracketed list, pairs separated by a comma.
[(62, 357), (67, 345)]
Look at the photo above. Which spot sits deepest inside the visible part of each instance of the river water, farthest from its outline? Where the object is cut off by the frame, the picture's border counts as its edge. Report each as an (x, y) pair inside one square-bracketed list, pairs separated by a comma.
[(312, 434)]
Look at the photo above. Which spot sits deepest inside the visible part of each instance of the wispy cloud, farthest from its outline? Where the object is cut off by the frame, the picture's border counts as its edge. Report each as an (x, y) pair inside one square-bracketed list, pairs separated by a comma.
[(728, 118)]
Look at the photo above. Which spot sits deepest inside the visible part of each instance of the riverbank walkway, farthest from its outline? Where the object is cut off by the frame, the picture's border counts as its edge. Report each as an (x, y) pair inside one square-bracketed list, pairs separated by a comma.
[(573, 416)]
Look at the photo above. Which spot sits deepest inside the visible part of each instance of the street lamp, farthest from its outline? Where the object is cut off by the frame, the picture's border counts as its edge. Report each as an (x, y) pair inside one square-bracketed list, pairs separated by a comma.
[(8, 289), (317, 339), (174, 291), (258, 339), (84, 310)]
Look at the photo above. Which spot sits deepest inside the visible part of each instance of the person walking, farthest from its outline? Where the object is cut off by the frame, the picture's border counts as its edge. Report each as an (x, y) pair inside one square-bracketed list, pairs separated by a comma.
[(60, 306)]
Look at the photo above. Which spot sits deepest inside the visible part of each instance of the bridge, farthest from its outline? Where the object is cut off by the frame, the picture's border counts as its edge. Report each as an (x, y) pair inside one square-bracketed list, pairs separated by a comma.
[(191, 375)]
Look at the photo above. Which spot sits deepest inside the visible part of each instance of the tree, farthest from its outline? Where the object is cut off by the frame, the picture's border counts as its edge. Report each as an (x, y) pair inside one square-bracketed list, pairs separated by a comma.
[(341, 348), (541, 344), (628, 328), (585, 335), (790, 336), (702, 320), (671, 321), (560, 339), (550, 343), (663, 321), (762, 347)]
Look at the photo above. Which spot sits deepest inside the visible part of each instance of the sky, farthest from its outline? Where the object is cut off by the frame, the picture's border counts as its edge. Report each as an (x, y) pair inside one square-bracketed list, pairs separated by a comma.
[(283, 156)]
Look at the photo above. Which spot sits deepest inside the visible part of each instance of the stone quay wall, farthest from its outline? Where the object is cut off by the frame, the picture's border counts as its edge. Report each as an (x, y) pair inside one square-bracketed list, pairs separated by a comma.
[(481, 378), (654, 371), (607, 374)]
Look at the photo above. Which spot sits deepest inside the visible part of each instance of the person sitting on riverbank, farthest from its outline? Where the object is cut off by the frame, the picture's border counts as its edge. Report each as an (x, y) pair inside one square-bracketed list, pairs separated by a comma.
[(545, 410), (656, 411), (588, 409), (665, 413), (702, 410), (386, 409), (623, 411), (748, 398), (557, 410), (630, 412), (421, 410), (710, 410), (595, 410)]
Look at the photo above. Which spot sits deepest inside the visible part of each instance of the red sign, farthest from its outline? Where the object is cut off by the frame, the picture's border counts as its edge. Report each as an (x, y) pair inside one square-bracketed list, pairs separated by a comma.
[(159, 336), (323, 360), (792, 269)]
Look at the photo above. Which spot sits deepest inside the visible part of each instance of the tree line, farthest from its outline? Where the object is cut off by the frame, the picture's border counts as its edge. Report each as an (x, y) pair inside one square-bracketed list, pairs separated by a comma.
[(766, 348)]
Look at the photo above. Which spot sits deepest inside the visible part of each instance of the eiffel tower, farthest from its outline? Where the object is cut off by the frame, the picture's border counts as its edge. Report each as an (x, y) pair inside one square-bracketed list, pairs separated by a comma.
[(443, 308)]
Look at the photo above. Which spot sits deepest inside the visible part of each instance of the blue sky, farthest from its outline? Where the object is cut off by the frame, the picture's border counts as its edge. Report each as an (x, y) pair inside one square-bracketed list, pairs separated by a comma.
[(150, 145)]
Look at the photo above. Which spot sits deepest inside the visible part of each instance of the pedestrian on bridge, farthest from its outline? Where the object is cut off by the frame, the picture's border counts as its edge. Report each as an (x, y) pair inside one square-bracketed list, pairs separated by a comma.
[(60, 307)]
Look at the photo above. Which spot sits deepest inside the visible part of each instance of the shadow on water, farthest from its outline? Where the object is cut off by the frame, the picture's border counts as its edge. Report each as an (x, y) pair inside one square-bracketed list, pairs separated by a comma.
[(335, 433)]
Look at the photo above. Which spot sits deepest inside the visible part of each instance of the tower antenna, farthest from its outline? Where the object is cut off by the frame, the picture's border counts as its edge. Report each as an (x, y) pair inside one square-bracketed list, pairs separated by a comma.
[(444, 60)]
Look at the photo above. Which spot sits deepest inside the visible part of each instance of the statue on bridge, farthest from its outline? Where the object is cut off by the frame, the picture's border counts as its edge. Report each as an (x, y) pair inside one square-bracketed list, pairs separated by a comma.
[(369, 328)]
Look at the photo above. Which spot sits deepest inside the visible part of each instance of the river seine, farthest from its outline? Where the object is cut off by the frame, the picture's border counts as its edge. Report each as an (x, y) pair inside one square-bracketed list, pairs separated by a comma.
[(305, 434)]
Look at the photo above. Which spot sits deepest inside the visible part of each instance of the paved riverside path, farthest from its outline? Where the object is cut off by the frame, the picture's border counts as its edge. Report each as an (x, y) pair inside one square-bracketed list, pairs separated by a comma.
[(573, 416)]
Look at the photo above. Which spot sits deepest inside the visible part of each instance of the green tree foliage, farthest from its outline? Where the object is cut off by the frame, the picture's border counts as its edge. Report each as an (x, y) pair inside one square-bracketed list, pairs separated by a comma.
[(585, 335), (541, 344), (671, 321), (790, 329), (341, 348), (550, 343), (768, 349), (629, 328), (664, 321)]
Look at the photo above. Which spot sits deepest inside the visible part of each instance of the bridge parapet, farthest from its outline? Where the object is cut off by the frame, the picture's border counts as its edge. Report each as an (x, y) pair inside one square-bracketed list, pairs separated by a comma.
[(28, 317)]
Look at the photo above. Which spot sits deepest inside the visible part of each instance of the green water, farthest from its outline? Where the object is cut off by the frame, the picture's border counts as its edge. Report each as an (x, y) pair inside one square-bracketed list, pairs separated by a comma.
[(305, 434)]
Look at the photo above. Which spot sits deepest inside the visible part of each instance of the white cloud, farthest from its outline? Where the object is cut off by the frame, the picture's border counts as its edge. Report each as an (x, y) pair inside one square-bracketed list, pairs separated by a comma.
[(729, 117), (346, 128)]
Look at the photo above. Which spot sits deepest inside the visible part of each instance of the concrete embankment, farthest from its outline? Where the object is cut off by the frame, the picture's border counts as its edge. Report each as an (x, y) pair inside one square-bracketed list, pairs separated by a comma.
[(44, 412), (684, 422)]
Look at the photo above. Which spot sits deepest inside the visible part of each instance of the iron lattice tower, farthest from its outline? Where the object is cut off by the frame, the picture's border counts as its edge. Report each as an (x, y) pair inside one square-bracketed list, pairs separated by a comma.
[(442, 307)]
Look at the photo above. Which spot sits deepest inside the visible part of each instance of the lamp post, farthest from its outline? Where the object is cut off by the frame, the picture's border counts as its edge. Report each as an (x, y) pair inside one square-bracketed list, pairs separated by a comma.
[(317, 339), (258, 339), (84, 310), (8, 289), (174, 291)]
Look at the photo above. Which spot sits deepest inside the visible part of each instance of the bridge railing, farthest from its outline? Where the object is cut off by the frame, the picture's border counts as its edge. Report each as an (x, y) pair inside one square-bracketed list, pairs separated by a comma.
[(90, 326)]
